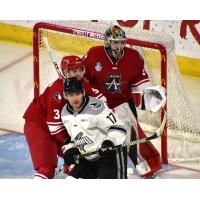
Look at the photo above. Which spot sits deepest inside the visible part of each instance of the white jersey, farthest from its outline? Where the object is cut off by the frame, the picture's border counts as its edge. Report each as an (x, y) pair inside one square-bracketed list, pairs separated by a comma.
[(93, 124)]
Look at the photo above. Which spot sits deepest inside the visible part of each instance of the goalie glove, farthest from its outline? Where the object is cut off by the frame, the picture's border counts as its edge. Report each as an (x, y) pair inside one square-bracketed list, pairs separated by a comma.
[(154, 98)]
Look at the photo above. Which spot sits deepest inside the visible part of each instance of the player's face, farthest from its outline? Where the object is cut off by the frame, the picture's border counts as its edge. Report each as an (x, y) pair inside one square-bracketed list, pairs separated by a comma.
[(75, 100), (117, 45), (74, 72)]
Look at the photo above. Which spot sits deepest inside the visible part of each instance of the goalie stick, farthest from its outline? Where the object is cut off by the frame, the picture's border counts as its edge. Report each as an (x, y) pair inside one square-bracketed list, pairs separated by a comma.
[(157, 134), (46, 42)]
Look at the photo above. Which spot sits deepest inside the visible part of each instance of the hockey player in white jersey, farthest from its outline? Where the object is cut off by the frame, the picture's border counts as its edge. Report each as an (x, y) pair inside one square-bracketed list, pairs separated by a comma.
[(91, 126)]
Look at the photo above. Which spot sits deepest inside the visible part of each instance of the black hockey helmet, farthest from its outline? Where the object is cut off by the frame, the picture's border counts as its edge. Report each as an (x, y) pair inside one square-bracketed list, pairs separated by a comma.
[(72, 85)]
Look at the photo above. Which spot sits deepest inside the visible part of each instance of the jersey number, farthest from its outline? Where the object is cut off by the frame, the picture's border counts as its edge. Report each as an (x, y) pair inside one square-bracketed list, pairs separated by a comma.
[(95, 91), (112, 118), (56, 114)]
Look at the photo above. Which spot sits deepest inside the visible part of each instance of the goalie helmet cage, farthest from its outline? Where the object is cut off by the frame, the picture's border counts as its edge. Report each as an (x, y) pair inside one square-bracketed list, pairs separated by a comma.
[(180, 140)]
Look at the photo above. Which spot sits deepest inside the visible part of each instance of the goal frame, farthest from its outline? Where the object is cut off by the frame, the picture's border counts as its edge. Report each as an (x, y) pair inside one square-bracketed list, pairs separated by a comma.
[(99, 36)]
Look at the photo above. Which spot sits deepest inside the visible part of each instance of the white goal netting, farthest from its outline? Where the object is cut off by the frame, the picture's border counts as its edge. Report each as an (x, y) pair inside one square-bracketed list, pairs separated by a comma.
[(183, 121)]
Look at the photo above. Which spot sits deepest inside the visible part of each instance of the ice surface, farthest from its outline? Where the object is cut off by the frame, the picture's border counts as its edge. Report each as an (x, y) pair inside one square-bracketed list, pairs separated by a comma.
[(15, 160)]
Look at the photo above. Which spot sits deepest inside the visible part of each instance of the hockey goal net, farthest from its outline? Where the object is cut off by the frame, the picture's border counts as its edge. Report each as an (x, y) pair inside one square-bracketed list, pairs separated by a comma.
[(181, 137)]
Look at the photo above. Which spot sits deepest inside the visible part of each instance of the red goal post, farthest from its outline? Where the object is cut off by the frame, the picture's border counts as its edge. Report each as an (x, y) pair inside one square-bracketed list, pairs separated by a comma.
[(99, 36)]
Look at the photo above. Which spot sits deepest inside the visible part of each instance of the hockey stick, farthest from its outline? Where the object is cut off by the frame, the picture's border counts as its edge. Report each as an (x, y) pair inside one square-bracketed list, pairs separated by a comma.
[(46, 42), (58, 170), (64, 168), (157, 134)]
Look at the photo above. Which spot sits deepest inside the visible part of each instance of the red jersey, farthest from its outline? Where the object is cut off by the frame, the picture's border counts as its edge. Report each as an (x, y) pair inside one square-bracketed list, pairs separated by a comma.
[(36, 112), (115, 80), (45, 110)]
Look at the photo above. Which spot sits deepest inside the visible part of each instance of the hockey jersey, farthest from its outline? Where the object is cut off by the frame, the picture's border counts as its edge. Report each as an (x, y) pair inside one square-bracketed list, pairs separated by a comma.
[(116, 81), (57, 101), (36, 113), (45, 111), (93, 124)]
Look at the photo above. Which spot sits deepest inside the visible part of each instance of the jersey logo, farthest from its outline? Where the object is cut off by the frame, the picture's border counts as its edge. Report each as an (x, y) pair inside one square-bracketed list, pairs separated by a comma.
[(98, 67), (81, 141), (96, 105), (113, 83), (57, 96)]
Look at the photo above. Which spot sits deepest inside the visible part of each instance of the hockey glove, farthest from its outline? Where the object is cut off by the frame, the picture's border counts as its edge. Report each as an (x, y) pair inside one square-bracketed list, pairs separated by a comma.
[(105, 147), (70, 151), (70, 154)]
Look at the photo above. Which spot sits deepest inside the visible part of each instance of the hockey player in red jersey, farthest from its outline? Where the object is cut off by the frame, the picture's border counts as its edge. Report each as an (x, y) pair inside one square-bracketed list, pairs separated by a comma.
[(43, 127), (72, 66), (118, 72)]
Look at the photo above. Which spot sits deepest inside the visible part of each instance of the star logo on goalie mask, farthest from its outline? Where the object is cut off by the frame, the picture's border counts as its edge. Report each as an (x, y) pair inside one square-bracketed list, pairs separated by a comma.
[(113, 83)]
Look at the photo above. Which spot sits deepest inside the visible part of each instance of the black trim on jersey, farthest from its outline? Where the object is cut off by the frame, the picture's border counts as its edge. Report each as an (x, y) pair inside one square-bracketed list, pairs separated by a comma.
[(86, 100), (71, 110), (117, 128)]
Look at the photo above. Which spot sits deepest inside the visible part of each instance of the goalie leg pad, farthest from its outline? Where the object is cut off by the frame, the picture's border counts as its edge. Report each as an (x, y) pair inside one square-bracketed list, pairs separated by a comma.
[(143, 168), (126, 114), (149, 153), (145, 151)]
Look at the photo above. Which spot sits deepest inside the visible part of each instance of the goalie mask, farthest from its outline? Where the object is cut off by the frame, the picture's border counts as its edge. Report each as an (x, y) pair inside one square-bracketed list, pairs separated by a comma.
[(72, 63), (114, 41)]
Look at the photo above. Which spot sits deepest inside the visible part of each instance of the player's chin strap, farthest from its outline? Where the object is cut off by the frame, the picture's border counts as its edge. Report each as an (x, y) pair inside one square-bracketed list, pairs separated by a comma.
[(46, 42), (157, 134)]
